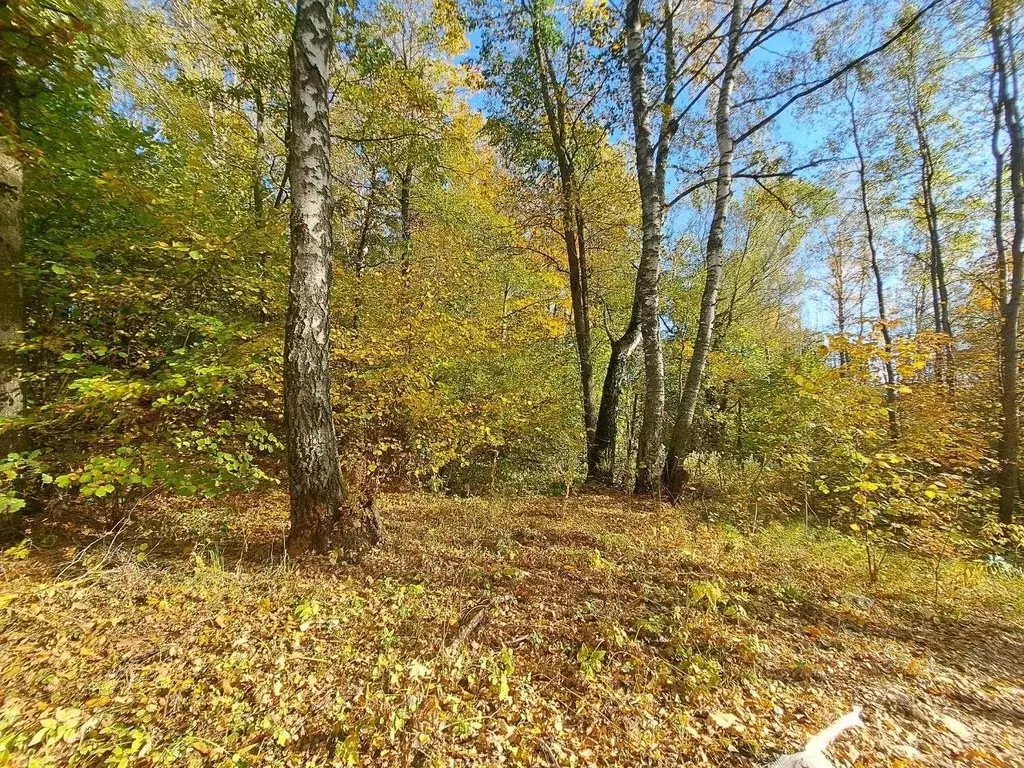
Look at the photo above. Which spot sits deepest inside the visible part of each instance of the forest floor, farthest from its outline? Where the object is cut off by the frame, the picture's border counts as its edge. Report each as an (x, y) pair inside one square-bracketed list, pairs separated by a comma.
[(534, 632)]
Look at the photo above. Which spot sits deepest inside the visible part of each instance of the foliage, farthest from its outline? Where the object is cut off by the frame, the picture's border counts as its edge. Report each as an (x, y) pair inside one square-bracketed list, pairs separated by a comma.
[(156, 259), (149, 613)]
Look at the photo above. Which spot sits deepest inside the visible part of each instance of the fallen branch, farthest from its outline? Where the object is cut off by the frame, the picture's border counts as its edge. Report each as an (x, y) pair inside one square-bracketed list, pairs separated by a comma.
[(468, 629), (813, 754)]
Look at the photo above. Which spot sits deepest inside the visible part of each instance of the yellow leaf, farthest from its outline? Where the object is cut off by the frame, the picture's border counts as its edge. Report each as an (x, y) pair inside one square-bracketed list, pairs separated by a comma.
[(724, 719)]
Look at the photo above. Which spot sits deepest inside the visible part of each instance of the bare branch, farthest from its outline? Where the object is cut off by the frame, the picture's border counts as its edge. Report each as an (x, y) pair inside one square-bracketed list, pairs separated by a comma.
[(848, 67)]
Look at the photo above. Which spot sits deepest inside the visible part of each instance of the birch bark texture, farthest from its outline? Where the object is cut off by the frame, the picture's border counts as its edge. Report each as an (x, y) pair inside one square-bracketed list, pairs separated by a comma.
[(681, 441), (320, 516), (648, 470)]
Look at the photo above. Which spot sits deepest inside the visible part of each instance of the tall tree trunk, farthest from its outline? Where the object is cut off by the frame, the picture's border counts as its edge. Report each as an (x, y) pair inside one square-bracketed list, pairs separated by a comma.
[(648, 469), (319, 518), (999, 158), (919, 308), (883, 319), (680, 444), (838, 291), (936, 266), (11, 300), (1006, 72), (361, 249), (933, 279), (844, 354), (631, 433), (259, 193), (938, 269), (739, 430), (572, 225), (580, 312), (583, 332)]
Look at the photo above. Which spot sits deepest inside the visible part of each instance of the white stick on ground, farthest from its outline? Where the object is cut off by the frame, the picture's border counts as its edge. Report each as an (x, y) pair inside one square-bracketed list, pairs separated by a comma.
[(813, 754)]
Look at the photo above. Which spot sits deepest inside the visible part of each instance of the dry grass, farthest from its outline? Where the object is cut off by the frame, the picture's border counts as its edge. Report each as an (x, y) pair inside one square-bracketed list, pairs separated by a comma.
[(488, 632)]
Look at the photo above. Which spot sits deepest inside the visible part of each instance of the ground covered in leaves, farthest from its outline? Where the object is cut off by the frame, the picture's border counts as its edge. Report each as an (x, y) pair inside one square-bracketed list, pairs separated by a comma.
[(536, 632)]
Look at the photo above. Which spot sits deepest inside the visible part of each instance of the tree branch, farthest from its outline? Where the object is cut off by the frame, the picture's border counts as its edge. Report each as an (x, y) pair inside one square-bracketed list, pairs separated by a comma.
[(839, 72)]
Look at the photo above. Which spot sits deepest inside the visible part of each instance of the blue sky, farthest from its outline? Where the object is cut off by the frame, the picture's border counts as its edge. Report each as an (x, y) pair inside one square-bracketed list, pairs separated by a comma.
[(800, 134)]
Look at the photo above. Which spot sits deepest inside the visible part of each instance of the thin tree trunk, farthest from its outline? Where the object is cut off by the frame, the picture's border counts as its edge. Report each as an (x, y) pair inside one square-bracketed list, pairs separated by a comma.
[(259, 192), (580, 317), (844, 355), (572, 227), (590, 408), (998, 234), (919, 308), (361, 249), (861, 296), (883, 319), (405, 214), (651, 205), (999, 157), (933, 278), (1006, 70), (937, 270), (631, 434), (838, 292), (739, 430), (942, 322), (319, 518), (680, 444)]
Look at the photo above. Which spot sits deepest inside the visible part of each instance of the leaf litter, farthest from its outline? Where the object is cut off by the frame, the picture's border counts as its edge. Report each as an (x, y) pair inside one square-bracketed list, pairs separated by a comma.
[(589, 631)]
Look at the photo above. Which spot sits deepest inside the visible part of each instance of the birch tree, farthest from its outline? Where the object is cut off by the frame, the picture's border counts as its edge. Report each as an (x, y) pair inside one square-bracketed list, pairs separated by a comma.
[(651, 158), (318, 497), (715, 255), (749, 29)]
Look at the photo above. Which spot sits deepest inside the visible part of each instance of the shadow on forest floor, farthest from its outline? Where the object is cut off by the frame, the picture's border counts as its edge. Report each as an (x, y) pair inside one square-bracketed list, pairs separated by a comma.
[(538, 631)]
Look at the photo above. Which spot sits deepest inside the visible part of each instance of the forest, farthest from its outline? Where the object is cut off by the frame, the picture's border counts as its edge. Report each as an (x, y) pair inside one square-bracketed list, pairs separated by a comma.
[(511, 382)]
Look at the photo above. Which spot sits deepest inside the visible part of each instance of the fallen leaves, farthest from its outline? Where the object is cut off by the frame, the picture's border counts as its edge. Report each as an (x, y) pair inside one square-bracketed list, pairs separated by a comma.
[(662, 644), (724, 720), (957, 728)]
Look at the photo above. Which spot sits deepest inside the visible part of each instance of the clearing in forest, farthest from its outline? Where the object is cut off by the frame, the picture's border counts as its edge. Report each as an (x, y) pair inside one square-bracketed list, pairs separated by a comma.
[(536, 632)]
